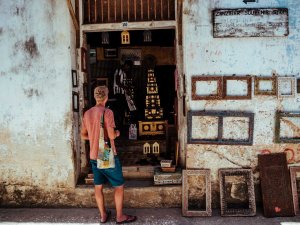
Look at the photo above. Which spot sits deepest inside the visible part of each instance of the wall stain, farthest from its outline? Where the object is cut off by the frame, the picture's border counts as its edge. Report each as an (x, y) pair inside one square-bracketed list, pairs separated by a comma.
[(1, 30), (31, 48), (32, 92)]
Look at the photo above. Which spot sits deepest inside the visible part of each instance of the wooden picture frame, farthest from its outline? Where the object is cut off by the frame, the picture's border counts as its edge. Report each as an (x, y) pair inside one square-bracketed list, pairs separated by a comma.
[(75, 101), (292, 127), (235, 96), (74, 78), (215, 93), (286, 87), (295, 182), (196, 193), (214, 132), (237, 195), (101, 82), (110, 53), (83, 60), (85, 91), (269, 81)]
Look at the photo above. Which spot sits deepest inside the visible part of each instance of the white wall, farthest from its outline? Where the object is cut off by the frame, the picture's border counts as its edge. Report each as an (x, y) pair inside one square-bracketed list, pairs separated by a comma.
[(256, 56), (36, 115)]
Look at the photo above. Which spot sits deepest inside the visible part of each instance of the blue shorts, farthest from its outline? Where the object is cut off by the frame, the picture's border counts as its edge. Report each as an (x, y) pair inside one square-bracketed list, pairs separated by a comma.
[(113, 175)]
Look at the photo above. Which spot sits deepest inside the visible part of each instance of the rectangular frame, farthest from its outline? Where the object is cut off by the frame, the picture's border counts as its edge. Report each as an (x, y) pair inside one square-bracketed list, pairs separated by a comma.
[(292, 81), (101, 82), (247, 173), (74, 78), (237, 97), (195, 79), (279, 139), (83, 60), (273, 79), (293, 172), (220, 115), (75, 101), (110, 53), (185, 191), (85, 90)]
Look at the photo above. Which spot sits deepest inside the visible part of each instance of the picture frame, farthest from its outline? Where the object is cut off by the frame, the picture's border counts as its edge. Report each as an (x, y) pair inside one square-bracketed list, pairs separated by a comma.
[(237, 94), (110, 53), (102, 82), (83, 60), (295, 182), (290, 132), (196, 193), (207, 127), (237, 195), (286, 87), (74, 78), (75, 101), (265, 85), (211, 85), (85, 90)]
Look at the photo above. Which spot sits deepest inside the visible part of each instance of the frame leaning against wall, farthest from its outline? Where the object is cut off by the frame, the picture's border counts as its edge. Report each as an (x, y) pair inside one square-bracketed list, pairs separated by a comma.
[(192, 205), (220, 115), (295, 181), (237, 195)]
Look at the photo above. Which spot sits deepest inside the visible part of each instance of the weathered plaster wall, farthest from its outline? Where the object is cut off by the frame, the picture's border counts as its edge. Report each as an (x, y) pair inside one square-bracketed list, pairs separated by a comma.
[(257, 56), (36, 109)]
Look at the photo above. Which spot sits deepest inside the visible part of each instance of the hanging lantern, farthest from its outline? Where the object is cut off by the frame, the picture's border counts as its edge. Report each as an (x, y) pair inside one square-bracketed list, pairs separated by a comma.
[(105, 38), (147, 36), (125, 37)]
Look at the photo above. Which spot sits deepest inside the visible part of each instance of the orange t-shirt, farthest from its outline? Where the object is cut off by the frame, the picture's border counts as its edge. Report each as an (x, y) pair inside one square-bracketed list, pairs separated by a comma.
[(91, 124)]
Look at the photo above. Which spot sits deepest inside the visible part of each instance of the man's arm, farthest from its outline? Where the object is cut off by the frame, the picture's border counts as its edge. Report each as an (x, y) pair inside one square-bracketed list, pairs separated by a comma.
[(84, 133)]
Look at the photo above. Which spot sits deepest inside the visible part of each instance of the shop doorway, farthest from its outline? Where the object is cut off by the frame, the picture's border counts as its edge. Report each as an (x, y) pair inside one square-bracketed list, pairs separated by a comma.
[(149, 133)]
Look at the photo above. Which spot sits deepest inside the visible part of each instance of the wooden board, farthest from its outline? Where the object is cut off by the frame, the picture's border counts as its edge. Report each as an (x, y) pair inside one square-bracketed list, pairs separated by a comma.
[(275, 185)]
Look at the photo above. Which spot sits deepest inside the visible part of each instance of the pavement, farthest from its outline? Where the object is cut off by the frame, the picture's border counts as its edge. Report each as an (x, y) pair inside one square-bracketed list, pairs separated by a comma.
[(160, 216)]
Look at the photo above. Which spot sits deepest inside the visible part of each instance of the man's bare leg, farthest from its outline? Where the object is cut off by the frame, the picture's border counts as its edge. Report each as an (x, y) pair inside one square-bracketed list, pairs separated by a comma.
[(119, 197), (100, 201)]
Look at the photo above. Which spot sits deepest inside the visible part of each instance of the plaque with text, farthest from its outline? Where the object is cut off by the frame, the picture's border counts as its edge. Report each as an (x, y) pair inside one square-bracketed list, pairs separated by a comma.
[(250, 22), (275, 185)]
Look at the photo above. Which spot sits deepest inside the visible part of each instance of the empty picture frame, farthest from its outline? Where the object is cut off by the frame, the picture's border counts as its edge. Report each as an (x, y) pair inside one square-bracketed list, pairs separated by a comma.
[(74, 78), (102, 82), (237, 87), (196, 193), (83, 60), (237, 195), (295, 181), (265, 85), (85, 90), (220, 127), (75, 101), (287, 127), (286, 86), (206, 88)]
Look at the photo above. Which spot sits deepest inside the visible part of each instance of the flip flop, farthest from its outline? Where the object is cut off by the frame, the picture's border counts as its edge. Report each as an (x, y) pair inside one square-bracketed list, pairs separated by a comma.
[(129, 219), (108, 213)]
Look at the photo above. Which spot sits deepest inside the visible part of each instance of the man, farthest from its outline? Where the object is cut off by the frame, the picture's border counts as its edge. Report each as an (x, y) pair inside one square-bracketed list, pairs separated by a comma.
[(91, 131), (124, 92)]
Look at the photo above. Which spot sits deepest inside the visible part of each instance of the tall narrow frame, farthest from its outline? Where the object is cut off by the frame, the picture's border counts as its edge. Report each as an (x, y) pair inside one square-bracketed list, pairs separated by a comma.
[(248, 177), (293, 173), (186, 190)]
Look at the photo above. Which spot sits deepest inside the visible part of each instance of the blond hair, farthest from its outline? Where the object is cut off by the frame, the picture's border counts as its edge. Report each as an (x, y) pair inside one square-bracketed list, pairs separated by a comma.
[(100, 93)]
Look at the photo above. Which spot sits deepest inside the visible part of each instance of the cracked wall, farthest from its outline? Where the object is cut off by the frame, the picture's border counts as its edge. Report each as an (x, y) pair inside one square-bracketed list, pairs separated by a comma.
[(255, 56), (35, 112)]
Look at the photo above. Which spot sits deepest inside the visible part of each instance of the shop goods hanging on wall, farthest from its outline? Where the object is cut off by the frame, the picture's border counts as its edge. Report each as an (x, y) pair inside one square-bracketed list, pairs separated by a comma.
[(295, 181), (286, 87), (287, 127), (265, 85), (219, 87), (196, 193), (220, 127), (275, 185), (237, 195)]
